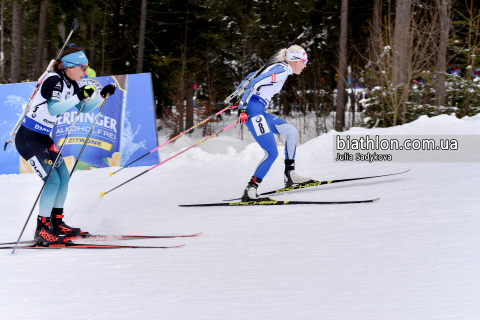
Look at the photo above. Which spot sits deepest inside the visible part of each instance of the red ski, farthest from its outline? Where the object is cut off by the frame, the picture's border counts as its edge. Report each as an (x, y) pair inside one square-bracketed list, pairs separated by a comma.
[(110, 237), (86, 246)]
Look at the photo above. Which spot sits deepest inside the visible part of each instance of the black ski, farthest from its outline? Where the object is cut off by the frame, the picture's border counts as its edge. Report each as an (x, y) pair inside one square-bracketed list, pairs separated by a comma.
[(271, 202), (86, 246), (314, 183), (109, 237)]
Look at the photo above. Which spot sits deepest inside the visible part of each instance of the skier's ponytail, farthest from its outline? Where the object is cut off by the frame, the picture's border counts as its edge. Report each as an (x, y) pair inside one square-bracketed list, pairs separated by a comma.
[(57, 65)]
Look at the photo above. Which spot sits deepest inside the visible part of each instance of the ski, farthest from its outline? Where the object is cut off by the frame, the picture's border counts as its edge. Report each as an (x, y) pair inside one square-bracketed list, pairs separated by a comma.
[(110, 237), (314, 183), (86, 246), (272, 202)]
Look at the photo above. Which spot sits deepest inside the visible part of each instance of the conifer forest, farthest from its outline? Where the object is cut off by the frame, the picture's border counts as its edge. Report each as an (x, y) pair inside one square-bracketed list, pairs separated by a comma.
[(372, 63)]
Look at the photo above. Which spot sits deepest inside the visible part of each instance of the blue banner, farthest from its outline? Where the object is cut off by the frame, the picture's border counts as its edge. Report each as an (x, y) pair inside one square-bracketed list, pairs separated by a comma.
[(125, 130)]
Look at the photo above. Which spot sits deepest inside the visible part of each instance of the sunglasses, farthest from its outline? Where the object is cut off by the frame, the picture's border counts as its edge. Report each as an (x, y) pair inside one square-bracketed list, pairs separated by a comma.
[(304, 60), (83, 66)]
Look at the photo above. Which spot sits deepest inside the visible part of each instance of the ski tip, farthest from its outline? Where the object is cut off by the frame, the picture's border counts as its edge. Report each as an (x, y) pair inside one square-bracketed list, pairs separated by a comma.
[(376, 199), (110, 173), (102, 194), (193, 235)]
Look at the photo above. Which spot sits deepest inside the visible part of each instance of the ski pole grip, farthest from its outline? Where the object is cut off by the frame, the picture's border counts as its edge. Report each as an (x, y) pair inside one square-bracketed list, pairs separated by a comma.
[(301, 35), (304, 32), (75, 25)]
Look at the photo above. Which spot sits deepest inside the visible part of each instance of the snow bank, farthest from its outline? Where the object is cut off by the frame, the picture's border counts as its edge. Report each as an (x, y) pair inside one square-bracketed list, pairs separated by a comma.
[(411, 255)]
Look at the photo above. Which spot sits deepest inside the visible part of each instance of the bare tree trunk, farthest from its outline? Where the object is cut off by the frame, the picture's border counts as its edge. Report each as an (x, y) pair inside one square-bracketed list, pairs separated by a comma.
[(46, 51), (92, 52), (61, 29), (103, 40), (2, 68), (141, 41), (189, 114), (16, 41), (375, 32), (244, 53), (353, 103), (342, 69), (84, 29), (400, 47), (182, 83), (40, 39), (444, 10), (47, 46)]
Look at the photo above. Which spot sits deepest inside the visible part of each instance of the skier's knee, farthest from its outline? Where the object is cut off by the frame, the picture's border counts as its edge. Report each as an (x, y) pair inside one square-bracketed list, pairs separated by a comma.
[(288, 131), (54, 179), (273, 153), (63, 174), (292, 132)]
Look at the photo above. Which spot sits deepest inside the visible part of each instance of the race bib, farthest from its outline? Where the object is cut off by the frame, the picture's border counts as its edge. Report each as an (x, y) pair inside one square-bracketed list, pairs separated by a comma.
[(260, 125)]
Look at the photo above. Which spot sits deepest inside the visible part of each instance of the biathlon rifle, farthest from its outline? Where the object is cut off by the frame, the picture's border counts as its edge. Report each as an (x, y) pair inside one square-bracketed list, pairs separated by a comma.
[(269, 62), (26, 107)]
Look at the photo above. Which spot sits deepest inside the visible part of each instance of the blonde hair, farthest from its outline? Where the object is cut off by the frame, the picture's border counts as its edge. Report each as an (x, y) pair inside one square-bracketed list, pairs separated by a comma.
[(282, 53)]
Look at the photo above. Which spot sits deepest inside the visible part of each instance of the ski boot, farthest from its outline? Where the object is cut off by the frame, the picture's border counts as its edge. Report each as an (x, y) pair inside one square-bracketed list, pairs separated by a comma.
[(250, 193), (291, 177), (62, 228), (44, 235)]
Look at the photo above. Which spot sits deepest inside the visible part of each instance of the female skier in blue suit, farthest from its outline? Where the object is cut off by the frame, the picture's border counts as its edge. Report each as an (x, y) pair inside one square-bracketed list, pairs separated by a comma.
[(263, 126)]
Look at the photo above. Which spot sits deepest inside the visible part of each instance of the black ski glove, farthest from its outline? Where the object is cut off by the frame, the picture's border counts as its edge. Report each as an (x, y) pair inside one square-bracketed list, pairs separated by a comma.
[(110, 89), (85, 92)]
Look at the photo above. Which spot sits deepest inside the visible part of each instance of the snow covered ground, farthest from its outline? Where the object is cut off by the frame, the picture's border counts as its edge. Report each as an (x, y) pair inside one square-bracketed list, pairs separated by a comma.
[(412, 255)]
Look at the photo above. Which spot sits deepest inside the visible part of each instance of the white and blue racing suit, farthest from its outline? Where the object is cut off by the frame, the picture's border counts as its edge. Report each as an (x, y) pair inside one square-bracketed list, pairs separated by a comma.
[(262, 125), (56, 95)]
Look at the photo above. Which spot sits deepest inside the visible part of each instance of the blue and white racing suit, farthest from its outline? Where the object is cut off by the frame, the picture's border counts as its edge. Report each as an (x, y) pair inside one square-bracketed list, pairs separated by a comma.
[(262, 125)]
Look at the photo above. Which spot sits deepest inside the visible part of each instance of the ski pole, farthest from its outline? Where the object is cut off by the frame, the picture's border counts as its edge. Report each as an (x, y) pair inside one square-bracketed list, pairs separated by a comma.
[(88, 137), (72, 31), (48, 176), (13, 133), (178, 136), (196, 144), (268, 63)]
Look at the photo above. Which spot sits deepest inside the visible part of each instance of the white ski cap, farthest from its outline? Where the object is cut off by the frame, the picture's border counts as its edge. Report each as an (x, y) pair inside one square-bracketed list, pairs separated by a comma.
[(296, 55)]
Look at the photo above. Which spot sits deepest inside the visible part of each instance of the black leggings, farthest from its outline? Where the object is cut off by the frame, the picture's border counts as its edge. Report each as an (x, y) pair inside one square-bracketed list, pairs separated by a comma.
[(40, 152)]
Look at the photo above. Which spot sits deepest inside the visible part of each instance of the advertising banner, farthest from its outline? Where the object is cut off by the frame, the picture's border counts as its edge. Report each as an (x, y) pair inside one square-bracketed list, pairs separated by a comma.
[(125, 129)]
